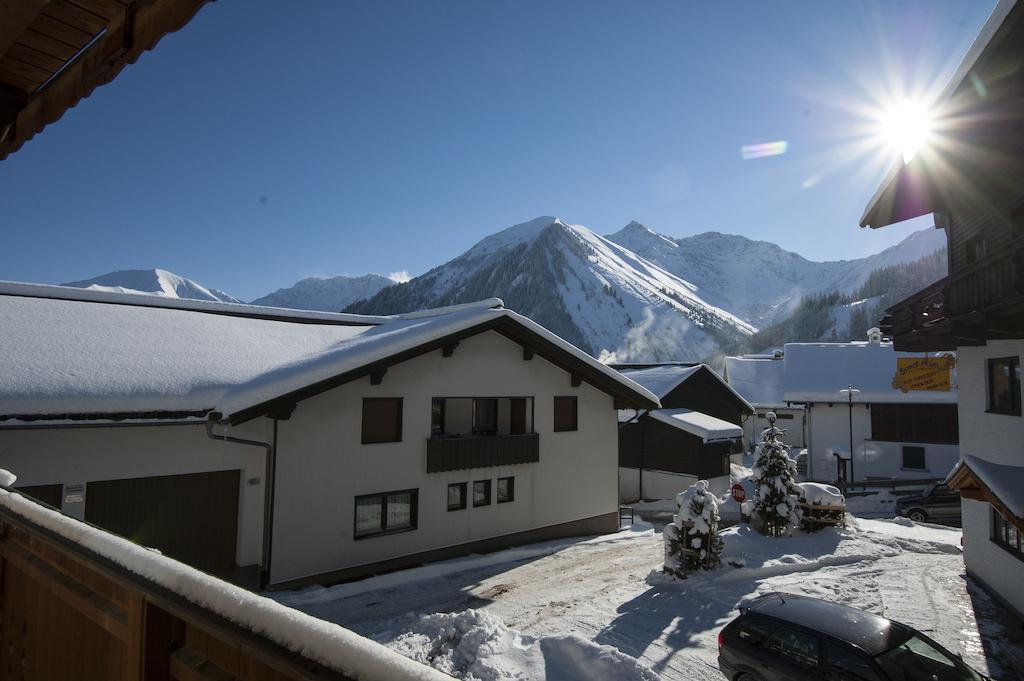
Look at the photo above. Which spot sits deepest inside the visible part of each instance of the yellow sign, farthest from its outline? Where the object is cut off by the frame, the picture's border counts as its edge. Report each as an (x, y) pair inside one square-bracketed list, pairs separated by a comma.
[(923, 373)]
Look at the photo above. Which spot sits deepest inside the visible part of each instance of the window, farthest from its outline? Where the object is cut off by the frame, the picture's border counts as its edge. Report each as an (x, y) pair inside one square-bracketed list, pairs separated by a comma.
[(506, 490), (1007, 535), (385, 513), (481, 492), (485, 415), (565, 414), (1004, 386), (846, 665), (437, 414), (974, 248), (932, 423), (754, 633), (913, 458), (382, 419), (796, 646), (918, 658), (456, 496), (779, 416)]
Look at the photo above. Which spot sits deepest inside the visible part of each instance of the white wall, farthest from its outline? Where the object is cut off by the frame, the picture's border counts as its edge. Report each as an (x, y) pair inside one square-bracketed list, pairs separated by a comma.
[(82, 455), (829, 428), (995, 437), (322, 466), (662, 484), (997, 568)]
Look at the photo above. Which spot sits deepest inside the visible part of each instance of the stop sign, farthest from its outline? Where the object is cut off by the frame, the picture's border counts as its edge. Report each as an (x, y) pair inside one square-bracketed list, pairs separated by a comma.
[(738, 493)]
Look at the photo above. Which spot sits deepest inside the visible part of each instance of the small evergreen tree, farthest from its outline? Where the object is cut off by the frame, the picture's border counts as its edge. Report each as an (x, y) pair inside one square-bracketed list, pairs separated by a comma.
[(692, 539), (776, 495)]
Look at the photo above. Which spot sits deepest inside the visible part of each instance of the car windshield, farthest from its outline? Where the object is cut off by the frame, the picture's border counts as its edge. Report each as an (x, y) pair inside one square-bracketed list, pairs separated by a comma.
[(918, 659), (930, 490)]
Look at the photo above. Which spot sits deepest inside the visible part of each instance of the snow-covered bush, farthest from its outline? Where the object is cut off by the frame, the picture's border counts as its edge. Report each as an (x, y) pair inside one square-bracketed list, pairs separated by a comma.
[(692, 541), (776, 495)]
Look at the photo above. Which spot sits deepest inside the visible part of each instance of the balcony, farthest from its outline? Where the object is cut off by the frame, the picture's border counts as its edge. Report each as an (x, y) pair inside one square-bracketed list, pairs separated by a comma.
[(481, 451), (982, 302)]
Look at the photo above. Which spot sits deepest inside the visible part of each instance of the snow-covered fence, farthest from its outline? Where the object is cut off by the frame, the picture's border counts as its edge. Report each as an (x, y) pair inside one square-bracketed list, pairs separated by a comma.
[(81, 603)]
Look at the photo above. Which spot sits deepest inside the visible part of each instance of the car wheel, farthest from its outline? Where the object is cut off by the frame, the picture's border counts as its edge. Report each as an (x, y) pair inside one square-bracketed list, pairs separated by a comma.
[(917, 515)]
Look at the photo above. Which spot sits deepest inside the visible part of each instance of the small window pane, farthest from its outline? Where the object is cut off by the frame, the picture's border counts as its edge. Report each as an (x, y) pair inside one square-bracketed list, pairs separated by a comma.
[(481, 492), (796, 646), (457, 496), (506, 489), (753, 633), (437, 416), (1004, 385), (565, 414), (845, 665), (368, 515), (913, 458), (399, 507), (485, 416), (382, 419)]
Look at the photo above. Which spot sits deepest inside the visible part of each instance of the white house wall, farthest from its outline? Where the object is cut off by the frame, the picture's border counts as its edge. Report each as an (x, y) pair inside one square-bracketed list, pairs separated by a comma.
[(829, 429), (83, 455), (322, 466), (998, 438)]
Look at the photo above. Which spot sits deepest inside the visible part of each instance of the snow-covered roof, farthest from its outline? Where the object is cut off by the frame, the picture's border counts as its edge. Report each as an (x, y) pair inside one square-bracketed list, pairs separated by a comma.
[(662, 379), (323, 642), (760, 381), (816, 372), (109, 354), (708, 428), (1006, 482)]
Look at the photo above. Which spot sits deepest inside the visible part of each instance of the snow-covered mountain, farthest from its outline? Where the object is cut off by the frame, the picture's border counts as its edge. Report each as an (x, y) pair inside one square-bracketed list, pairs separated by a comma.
[(153, 282), (327, 294), (589, 290), (757, 280)]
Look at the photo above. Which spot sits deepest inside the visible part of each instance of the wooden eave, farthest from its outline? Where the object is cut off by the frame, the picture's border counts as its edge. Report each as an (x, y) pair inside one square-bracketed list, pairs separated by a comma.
[(575, 368), (54, 53), (970, 486)]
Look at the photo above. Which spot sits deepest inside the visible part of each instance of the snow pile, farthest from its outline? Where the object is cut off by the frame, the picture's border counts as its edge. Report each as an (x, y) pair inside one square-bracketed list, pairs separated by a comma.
[(815, 493), (474, 644), (7, 478), (315, 639)]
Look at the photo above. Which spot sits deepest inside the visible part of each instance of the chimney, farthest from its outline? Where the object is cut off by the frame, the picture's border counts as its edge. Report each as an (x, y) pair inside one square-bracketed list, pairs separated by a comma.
[(874, 335)]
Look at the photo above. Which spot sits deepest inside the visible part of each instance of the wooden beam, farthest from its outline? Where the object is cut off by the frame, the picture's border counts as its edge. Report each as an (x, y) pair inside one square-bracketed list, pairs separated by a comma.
[(377, 377), (575, 379), (17, 15), (449, 350), (527, 353)]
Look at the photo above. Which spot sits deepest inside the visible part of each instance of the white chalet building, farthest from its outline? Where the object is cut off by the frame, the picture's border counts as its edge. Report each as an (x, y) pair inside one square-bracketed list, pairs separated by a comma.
[(305, 446), (761, 379)]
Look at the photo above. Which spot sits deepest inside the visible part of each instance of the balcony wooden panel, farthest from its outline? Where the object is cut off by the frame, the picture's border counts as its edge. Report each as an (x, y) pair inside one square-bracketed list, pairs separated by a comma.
[(483, 451)]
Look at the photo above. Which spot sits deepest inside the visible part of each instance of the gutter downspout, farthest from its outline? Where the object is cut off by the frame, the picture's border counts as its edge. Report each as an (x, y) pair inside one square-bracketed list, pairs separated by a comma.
[(270, 461)]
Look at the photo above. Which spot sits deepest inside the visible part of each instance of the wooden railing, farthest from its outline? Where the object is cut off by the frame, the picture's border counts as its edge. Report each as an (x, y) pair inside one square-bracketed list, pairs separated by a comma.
[(461, 453), (988, 283)]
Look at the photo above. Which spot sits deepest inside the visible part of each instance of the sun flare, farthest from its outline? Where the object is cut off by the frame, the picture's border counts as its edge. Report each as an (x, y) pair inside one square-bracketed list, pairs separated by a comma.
[(907, 128)]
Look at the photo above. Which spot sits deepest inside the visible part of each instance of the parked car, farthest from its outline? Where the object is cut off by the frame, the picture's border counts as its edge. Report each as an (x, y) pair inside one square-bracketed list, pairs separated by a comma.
[(785, 637), (937, 504)]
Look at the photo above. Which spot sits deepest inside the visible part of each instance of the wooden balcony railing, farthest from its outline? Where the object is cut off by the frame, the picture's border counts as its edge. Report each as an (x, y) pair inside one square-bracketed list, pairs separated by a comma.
[(461, 453), (952, 311)]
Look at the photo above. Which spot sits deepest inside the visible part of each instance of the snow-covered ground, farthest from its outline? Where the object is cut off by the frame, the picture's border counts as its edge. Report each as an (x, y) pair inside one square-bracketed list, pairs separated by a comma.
[(600, 607)]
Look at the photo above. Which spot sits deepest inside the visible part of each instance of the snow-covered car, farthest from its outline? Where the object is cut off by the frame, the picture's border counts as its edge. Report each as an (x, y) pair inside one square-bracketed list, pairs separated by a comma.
[(937, 504), (786, 637)]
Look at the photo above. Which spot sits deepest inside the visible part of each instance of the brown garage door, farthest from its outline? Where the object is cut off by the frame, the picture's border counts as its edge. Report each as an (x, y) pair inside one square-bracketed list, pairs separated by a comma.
[(193, 518)]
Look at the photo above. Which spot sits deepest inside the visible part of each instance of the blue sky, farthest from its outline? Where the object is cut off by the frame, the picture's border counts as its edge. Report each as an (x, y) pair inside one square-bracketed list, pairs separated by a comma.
[(268, 141)]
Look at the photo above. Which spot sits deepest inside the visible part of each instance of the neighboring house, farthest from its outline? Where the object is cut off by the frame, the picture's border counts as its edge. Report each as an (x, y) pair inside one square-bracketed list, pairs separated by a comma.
[(760, 379), (690, 438), (970, 180), (305, 446), (895, 434)]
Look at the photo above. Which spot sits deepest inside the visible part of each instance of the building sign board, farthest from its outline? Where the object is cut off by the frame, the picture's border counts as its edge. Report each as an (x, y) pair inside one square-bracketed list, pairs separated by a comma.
[(923, 373)]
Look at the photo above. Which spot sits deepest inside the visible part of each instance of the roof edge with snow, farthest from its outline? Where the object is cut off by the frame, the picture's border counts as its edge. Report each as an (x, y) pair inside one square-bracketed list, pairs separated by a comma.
[(708, 428)]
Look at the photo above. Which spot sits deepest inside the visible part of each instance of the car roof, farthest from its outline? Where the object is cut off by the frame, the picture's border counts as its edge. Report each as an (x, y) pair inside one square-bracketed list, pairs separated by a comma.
[(871, 633)]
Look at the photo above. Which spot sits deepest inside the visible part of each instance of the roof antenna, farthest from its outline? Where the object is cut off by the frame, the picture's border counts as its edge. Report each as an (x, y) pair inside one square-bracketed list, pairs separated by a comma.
[(780, 597)]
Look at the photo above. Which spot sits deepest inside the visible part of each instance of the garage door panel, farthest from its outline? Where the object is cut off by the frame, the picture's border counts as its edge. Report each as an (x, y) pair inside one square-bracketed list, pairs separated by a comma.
[(192, 518)]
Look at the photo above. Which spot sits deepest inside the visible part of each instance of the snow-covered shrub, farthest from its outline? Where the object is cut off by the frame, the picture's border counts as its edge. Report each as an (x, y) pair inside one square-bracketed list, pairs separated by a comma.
[(692, 540), (776, 495), (824, 505)]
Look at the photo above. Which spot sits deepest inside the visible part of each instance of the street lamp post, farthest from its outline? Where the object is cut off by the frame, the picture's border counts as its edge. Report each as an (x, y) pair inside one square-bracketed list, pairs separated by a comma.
[(850, 391)]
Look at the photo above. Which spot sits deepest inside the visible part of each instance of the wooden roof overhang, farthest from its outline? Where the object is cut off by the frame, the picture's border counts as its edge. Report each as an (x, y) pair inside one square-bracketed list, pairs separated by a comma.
[(977, 161), (54, 53), (971, 486), (533, 344)]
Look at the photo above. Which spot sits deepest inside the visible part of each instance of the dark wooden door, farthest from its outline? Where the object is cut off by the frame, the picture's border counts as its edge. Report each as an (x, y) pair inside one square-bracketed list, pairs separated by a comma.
[(517, 419), (48, 494), (192, 518)]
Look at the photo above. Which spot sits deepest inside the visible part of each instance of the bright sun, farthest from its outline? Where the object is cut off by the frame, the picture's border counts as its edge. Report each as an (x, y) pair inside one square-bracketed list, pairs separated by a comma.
[(907, 128)]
